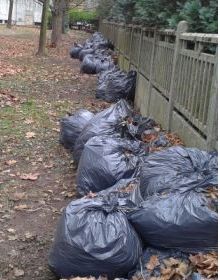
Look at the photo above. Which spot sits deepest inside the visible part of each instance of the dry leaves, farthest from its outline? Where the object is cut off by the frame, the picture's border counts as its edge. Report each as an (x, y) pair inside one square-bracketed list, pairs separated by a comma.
[(206, 264), (30, 176), (174, 139), (8, 69), (7, 99), (175, 269)]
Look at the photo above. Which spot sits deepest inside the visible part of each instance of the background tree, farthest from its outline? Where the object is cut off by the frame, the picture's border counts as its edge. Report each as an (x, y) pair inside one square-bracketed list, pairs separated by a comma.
[(10, 11), (104, 8), (43, 29), (59, 9), (202, 15)]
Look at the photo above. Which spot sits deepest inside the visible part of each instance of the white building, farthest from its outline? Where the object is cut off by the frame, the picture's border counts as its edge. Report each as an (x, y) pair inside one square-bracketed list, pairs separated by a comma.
[(91, 4), (25, 12)]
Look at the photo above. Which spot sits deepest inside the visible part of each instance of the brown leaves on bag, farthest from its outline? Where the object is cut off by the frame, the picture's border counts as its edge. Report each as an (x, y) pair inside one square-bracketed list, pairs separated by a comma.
[(206, 264), (153, 262)]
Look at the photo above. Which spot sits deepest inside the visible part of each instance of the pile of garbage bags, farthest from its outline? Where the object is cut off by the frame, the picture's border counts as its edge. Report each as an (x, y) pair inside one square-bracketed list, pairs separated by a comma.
[(143, 214), (96, 58)]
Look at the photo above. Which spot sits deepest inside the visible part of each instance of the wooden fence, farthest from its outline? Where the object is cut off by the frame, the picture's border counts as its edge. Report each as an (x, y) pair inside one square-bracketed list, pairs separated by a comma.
[(176, 77)]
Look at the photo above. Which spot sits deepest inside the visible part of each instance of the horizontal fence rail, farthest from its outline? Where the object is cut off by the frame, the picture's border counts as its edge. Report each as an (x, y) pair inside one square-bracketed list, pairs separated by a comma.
[(176, 77)]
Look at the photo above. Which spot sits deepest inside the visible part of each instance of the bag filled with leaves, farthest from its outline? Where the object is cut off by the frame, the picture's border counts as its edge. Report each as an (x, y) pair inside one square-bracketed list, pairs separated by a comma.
[(103, 123), (93, 64), (117, 85), (74, 52), (105, 160), (72, 126), (185, 220), (178, 168), (85, 51), (95, 238)]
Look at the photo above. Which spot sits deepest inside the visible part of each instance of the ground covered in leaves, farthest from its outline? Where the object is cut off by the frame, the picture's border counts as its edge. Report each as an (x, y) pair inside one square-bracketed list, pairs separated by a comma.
[(37, 178)]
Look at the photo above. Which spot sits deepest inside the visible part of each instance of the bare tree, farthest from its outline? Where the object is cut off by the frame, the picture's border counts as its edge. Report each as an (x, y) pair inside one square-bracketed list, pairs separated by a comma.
[(43, 29), (57, 16), (59, 10), (9, 22)]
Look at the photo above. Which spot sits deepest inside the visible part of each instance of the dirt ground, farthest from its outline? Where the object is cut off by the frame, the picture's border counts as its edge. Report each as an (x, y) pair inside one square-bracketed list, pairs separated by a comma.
[(37, 176)]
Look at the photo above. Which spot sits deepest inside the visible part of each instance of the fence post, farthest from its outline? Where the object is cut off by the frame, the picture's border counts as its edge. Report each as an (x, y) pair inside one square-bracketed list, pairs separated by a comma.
[(212, 118), (139, 50), (151, 71), (182, 27), (132, 30)]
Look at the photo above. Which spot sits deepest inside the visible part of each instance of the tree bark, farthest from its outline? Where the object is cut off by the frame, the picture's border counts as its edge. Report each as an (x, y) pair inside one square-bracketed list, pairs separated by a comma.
[(57, 16), (43, 29), (9, 22), (65, 19)]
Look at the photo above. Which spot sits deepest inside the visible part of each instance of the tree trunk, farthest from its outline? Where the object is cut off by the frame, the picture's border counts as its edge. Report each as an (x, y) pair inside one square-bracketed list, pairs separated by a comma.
[(9, 22), (65, 19), (57, 16), (43, 29)]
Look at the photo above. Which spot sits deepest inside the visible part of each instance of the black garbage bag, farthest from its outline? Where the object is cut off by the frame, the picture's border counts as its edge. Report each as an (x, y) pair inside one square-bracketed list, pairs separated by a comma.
[(93, 64), (72, 126), (104, 75), (84, 52), (160, 262), (104, 64), (187, 221), (88, 65), (178, 168), (74, 52), (105, 160), (103, 78), (94, 238), (103, 123), (118, 85)]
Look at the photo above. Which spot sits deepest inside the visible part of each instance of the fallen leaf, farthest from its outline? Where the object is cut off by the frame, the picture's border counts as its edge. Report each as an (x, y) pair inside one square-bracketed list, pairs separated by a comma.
[(28, 235), (30, 135), (48, 165), (30, 176), (70, 194), (18, 272), (11, 230), (153, 262), (18, 196), (11, 162), (21, 207), (12, 237), (56, 129), (28, 121)]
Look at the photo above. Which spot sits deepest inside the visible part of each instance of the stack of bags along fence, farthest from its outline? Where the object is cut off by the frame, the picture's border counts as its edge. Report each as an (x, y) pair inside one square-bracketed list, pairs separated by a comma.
[(96, 57), (143, 215), (95, 54)]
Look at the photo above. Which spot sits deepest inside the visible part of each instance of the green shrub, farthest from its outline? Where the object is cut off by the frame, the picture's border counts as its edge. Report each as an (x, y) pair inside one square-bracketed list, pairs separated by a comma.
[(80, 15), (202, 15)]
